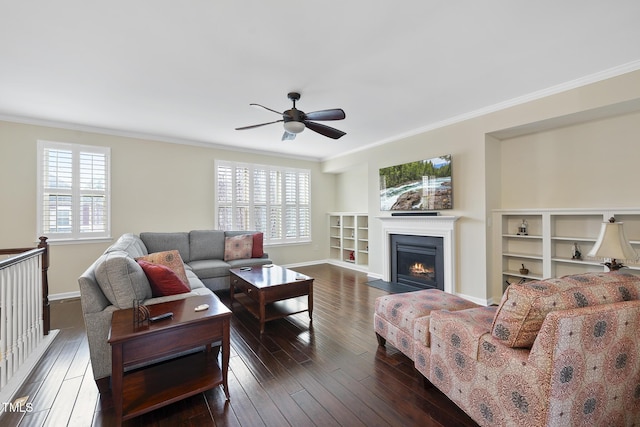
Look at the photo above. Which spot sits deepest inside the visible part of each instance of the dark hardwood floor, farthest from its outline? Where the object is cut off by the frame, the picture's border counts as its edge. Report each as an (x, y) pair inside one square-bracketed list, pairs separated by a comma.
[(329, 374)]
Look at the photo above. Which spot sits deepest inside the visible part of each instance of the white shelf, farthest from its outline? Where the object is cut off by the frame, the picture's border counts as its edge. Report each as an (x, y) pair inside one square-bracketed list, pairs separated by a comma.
[(523, 256), (548, 248), (349, 233), (520, 236)]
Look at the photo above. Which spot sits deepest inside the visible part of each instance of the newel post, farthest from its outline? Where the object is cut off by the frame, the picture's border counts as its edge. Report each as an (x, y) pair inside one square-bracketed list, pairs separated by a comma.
[(45, 285)]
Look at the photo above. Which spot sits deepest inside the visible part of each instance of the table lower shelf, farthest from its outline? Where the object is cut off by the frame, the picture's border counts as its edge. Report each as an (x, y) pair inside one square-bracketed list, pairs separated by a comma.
[(274, 310), (152, 387)]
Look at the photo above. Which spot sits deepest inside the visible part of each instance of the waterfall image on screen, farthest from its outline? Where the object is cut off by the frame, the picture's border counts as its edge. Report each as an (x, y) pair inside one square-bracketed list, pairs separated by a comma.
[(424, 185)]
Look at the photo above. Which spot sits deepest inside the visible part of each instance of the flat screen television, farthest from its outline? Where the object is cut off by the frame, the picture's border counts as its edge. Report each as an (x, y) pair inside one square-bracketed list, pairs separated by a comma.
[(423, 185)]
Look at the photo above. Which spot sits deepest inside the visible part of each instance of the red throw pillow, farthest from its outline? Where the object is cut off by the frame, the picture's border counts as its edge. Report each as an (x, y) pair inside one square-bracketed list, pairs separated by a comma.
[(163, 280), (171, 259), (258, 249)]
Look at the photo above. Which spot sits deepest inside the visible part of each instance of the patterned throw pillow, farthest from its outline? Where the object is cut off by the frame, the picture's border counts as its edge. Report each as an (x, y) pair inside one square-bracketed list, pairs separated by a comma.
[(524, 306), (171, 259), (163, 280), (238, 247)]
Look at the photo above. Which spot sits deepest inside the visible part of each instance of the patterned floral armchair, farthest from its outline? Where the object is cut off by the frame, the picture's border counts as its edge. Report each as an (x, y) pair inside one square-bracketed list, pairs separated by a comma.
[(556, 352)]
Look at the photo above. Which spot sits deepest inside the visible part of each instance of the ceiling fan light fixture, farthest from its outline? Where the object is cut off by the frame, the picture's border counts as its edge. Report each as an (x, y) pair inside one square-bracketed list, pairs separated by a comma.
[(295, 121), (293, 126)]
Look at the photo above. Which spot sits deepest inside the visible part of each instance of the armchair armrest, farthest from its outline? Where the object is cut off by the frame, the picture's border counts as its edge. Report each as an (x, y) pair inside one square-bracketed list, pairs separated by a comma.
[(462, 329)]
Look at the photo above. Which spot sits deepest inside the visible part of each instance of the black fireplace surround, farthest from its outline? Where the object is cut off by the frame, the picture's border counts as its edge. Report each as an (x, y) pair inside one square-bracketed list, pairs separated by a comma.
[(417, 261)]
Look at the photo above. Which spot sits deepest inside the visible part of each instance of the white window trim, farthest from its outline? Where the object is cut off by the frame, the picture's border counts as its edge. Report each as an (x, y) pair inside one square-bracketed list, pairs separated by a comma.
[(252, 167), (75, 236)]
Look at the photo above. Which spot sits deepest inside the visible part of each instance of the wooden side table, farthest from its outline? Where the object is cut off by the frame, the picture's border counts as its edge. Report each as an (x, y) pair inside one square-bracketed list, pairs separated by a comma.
[(158, 384)]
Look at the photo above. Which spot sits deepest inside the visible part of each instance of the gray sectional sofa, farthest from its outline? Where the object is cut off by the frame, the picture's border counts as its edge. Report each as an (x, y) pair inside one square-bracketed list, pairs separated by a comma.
[(203, 252), (115, 279)]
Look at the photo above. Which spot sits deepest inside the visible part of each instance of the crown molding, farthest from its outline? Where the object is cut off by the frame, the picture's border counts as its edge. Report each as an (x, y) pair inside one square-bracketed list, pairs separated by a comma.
[(553, 90)]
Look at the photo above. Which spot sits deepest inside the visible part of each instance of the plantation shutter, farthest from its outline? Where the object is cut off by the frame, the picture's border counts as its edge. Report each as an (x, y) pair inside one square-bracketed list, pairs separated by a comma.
[(275, 201), (304, 203), (260, 175), (225, 197), (73, 191)]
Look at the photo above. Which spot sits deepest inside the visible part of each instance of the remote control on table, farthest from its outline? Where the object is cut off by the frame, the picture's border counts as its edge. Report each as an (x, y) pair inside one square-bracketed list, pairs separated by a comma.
[(161, 316)]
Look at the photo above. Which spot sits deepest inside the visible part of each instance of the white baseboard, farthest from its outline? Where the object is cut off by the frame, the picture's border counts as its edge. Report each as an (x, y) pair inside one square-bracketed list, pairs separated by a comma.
[(64, 295), (376, 276), (476, 300), (349, 265), (304, 264)]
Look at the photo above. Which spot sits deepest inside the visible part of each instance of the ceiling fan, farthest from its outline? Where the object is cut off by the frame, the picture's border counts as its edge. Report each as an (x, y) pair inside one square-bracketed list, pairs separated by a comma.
[(295, 121)]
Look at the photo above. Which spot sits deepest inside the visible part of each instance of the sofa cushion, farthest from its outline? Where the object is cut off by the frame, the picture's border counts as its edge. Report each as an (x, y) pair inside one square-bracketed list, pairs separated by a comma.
[(121, 279), (163, 280), (398, 317), (524, 306), (129, 243), (238, 247), (171, 259), (403, 309), (194, 281), (208, 268), (159, 242), (206, 244), (238, 263)]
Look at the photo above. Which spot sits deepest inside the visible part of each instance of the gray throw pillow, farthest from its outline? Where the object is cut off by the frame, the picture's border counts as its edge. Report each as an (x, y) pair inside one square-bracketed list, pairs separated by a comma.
[(122, 279)]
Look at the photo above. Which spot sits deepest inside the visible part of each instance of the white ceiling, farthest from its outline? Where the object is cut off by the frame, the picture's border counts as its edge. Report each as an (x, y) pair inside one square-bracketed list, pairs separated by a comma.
[(186, 71)]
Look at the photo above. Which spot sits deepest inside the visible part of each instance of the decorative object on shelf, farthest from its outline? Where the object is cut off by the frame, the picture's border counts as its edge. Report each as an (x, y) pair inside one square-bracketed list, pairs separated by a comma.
[(352, 256), (338, 222), (575, 252), (521, 281), (522, 228), (524, 270), (613, 244), (140, 313)]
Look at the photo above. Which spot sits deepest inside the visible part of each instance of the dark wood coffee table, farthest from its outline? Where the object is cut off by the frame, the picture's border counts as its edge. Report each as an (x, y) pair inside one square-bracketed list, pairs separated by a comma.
[(158, 384), (271, 292)]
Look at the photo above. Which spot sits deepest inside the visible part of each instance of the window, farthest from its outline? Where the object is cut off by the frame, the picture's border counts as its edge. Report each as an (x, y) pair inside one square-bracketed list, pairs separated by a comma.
[(73, 191), (273, 200)]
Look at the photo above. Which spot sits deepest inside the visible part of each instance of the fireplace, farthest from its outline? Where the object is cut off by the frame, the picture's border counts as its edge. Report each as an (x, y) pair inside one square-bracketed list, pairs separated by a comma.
[(433, 226), (417, 261)]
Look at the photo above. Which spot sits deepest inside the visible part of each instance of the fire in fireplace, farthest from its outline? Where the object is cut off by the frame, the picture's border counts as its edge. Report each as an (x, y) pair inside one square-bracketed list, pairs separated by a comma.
[(421, 270), (417, 261)]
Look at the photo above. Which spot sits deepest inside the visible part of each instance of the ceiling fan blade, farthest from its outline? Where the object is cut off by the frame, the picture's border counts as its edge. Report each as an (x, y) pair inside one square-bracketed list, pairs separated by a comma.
[(333, 114), (266, 108), (288, 136), (261, 124), (324, 130)]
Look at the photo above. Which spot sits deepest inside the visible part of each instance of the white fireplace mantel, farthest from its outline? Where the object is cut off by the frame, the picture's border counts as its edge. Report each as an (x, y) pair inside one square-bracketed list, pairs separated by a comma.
[(433, 226)]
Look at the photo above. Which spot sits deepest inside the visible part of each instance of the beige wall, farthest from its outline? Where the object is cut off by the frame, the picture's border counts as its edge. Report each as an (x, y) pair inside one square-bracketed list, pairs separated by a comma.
[(529, 155), (352, 192), (493, 169), (156, 186), (593, 164)]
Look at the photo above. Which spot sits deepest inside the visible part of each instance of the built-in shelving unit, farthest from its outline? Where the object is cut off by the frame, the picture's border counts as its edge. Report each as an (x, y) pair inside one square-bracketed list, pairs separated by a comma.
[(349, 239), (547, 250)]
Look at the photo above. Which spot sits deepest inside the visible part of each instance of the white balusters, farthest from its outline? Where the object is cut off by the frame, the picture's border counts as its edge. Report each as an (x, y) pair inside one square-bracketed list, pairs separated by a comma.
[(20, 312)]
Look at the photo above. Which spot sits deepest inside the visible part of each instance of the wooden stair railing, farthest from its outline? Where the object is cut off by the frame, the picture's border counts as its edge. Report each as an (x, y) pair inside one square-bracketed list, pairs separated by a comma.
[(23, 253)]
